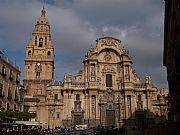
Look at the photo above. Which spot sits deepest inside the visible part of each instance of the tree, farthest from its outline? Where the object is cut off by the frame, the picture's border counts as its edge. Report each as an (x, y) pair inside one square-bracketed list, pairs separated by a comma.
[(17, 115)]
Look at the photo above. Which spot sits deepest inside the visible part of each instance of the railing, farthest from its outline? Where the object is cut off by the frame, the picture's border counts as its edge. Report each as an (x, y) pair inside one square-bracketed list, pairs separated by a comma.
[(142, 86), (78, 84), (5, 58), (40, 57)]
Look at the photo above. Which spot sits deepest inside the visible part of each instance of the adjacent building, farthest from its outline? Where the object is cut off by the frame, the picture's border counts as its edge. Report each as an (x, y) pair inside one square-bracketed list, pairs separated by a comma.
[(9, 84), (171, 59), (172, 55), (107, 91)]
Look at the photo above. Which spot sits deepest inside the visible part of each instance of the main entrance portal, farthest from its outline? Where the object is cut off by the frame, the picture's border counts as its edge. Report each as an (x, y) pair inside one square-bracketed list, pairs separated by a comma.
[(110, 118)]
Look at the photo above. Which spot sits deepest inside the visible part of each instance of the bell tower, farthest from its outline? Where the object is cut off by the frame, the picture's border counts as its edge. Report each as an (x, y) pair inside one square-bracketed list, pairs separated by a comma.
[(39, 62)]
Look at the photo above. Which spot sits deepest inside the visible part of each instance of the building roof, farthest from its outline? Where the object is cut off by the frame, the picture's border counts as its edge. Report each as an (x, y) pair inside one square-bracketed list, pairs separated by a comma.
[(5, 58), (56, 83)]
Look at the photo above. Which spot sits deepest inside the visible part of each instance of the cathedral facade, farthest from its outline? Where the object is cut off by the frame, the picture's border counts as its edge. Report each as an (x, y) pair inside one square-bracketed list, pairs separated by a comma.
[(107, 91)]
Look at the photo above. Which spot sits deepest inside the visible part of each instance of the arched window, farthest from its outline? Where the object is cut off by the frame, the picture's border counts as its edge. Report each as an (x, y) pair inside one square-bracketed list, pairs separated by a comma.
[(58, 115), (49, 53), (40, 42), (35, 40), (29, 53)]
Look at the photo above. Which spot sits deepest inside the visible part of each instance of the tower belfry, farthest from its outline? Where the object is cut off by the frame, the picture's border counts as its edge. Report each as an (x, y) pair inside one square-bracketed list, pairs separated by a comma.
[(39, 62)]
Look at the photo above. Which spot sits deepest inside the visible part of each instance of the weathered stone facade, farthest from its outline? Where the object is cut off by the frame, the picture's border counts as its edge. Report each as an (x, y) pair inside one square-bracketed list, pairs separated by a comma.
[(106, 92)]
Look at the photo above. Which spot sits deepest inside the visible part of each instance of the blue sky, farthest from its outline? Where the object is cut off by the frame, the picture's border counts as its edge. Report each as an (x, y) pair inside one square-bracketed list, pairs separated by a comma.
[(76, 24)]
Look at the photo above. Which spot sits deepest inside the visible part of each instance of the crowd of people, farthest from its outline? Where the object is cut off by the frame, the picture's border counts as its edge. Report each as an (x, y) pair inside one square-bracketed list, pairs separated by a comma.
[(62, 131), (28, 131)]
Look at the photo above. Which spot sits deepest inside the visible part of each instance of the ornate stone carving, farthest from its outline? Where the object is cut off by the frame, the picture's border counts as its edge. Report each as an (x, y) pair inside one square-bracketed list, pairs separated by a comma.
[(109, 90), (93, 72), (107, 56), (108, 68), (109, 42), (148, 79), (109, 95), (127, 77)]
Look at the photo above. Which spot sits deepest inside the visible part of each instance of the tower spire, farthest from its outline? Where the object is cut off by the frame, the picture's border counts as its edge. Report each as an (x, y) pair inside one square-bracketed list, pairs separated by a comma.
[(43, 10), (43, 3)]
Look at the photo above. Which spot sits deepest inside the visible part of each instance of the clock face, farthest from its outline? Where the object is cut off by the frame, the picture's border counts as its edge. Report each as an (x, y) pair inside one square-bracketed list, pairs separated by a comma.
[(38, 64)]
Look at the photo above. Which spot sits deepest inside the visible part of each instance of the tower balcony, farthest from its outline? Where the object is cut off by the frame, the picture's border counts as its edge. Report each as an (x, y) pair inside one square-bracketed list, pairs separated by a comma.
[(40, 58)]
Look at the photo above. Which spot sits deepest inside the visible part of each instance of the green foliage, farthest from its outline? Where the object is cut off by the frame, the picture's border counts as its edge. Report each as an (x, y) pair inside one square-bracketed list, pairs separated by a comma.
[(17, 115)]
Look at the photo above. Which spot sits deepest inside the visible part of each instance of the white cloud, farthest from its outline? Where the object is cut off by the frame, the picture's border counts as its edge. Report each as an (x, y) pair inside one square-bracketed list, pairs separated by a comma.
[(75, 25)]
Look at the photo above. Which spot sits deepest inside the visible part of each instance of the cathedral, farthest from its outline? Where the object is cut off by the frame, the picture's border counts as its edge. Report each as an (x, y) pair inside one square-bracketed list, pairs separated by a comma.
[(107, 91)]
